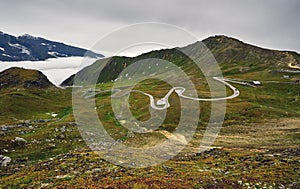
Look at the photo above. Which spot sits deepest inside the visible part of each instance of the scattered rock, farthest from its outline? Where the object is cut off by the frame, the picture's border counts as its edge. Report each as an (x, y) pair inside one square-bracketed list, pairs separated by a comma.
[(63, 176), (122, 121), (52, 146), (97, 170), (73, 124), (20, 140), (54, 114), (41, 120), (130, 134), (168, 169), (4, 128), (4, 160), (44, 185), (63, 129)]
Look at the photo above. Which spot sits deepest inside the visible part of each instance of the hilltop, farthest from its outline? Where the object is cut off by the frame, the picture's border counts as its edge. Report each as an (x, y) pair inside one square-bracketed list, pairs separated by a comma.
[(231, 50), (25, 78), (27, 93)]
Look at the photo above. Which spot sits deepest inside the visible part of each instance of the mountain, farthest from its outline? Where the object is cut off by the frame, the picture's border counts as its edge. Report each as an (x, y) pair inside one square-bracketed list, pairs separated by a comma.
[(231, 50), (25, 78), (32, 48), (28, 93), (233, 56)]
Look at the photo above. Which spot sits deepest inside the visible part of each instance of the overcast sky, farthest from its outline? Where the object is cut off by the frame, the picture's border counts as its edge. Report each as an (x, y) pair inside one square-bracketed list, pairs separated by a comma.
[(267, 23)]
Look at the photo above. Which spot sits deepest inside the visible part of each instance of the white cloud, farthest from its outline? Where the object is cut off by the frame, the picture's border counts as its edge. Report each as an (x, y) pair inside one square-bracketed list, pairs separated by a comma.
[(56, 69)]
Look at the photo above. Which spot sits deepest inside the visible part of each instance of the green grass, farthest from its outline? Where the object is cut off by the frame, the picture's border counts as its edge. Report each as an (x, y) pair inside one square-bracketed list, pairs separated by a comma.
[(19, 103)]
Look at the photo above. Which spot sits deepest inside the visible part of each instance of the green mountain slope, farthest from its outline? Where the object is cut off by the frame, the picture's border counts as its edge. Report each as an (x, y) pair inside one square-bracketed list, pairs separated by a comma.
[(28, 94), (233, 55)]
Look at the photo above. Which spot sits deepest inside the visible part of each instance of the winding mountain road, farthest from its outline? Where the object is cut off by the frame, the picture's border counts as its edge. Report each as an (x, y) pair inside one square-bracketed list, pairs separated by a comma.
[(163, 103), (294, 67)]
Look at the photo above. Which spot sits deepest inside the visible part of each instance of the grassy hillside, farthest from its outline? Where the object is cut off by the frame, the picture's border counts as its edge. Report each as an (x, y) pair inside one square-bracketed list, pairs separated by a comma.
[(233, 56), (28, 94)]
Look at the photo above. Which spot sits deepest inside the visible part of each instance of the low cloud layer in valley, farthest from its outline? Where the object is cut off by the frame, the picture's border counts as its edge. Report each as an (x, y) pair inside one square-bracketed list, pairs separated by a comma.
[(56, 69)]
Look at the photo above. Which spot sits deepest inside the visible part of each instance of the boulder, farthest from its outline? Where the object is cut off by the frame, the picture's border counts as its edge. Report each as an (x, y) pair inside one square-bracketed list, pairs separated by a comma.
[(4, 160), (20, 140)]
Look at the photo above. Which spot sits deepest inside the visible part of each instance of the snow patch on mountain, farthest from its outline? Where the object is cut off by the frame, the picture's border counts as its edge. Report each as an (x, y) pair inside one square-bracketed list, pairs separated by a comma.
[(23, 49), (56, 54), (6, 55)]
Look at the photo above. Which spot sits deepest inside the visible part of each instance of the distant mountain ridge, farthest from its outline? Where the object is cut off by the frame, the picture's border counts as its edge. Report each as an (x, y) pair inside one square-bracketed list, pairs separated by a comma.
[(27, 47), (233, 56)]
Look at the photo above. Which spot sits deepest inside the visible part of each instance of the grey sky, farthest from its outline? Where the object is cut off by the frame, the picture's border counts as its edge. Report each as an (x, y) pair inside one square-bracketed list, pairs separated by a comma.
[(268, 23)]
